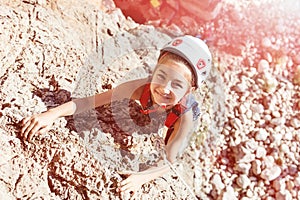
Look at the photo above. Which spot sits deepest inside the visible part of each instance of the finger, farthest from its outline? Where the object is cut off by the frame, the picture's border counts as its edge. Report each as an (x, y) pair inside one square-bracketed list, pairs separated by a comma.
[(43, 130), (25, 120), (25, 126), (126, 172), (33, 131), (124, 182), (134, 195), (126, 187), (29, 128)]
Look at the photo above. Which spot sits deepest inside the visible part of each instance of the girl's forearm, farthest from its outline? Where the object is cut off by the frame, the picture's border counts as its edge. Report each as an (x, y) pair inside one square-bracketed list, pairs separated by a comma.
[(155, 172), (74, 107), (63, 110)]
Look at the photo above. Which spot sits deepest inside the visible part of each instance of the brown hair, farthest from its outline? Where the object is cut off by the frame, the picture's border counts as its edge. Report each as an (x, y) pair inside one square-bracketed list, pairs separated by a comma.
[(179, 59)]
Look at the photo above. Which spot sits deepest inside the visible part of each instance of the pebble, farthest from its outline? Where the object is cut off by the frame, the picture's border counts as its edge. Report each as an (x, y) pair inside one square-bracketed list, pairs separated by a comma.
[(243, 181), (283, 195), (252, 145), (278, 121), (270, 83), (263, 66), (261, 135), (243, 167), (249, 114), (267, 117), (288, 135), (217, 182), (266, 42), (296, 78), (271, 173), (260, 152), (284, 148), (297, 181), (268, 161), (247, 158), (295, 123), (257, 108), (249, 194), (276, 114), (279, 184), (243, 109), (256, 117), (277, 138), (241, 87), (256, 167), (229, 194)]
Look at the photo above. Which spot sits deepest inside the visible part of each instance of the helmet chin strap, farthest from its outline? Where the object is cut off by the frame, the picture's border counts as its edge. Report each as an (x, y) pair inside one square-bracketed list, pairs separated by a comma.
[(148, 111)]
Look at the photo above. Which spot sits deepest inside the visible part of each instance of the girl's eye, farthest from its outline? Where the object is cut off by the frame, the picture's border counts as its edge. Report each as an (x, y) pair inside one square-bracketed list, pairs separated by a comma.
[(160, 76), (177, 85)]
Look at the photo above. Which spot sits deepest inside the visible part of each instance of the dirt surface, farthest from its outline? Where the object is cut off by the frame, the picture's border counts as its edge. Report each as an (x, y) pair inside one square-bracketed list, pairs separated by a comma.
[(246, 146)]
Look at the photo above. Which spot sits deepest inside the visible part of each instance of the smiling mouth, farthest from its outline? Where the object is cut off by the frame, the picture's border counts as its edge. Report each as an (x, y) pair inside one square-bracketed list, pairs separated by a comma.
[(164, 96)]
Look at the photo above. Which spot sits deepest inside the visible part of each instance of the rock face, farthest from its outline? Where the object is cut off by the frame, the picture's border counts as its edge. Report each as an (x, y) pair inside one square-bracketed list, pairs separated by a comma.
[(246, 146)]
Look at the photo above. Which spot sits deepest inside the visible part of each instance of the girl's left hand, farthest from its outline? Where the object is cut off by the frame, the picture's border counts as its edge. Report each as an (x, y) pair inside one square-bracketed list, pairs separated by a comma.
[(133, 182)]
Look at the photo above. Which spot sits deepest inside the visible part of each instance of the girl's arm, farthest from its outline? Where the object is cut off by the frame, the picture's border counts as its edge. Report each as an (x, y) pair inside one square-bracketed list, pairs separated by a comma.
[(40, 123), (182, 129)]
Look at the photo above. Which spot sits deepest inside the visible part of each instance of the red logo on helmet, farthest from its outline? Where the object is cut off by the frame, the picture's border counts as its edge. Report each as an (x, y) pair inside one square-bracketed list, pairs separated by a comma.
[(201, 64), (177, 42)]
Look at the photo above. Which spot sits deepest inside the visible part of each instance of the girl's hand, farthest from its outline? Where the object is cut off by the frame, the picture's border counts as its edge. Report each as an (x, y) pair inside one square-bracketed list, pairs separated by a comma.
[(37, 124), (133, 182)]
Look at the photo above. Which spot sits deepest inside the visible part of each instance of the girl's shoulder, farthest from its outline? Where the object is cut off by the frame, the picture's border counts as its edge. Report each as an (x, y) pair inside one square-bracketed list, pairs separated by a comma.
[(135, 87)]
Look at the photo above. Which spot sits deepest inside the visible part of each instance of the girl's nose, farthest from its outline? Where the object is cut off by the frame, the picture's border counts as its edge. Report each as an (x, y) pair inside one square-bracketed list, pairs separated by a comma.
[(167, 88)]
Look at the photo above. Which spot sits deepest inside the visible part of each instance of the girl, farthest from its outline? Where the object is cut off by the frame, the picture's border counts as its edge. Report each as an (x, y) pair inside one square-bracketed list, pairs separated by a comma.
[(182, 66)]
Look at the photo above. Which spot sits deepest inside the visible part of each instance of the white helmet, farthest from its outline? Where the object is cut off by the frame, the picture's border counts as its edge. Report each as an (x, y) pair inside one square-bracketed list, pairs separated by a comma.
[(193, 50)]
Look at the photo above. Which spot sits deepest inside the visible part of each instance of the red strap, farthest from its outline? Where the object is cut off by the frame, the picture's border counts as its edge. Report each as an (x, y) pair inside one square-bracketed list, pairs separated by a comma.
[(146, 95), (175, 113), (172, 117)]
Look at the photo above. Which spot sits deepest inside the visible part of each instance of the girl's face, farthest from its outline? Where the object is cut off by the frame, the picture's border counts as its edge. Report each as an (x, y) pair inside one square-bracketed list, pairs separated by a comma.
[(171, 81)]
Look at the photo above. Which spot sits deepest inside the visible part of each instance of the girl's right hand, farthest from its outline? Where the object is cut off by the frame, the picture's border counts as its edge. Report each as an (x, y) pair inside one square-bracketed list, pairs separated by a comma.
[(37, 124)]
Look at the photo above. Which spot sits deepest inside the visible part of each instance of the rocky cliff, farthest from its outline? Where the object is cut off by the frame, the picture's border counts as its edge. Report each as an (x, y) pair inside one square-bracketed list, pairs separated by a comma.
[(247, 146)]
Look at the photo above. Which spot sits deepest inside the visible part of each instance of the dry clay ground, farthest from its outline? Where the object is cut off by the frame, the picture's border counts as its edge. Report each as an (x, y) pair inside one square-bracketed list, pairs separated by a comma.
[(247, 146)]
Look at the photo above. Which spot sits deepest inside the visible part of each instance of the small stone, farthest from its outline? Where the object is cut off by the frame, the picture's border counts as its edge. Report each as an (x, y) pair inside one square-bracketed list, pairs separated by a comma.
[(279, 184), (278, 121), (243, 181), (261, 135), (229, 194), (266, 42), (284, 148), (243, 109), (267, 117), (241, 87), (249, 114), (296, 78), (290, 185), (276, 114), (295, 123), (243, 167), (249, 194), (217, 182), (257, 108), (270, 83), (251, 145), (288, 136), (263, 66), (260, 152), (237, 124), (256, 117), (297, 181), (256, 167), (277, 138), (270, 174), (283, 195), (247, 158), (268, 161)]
